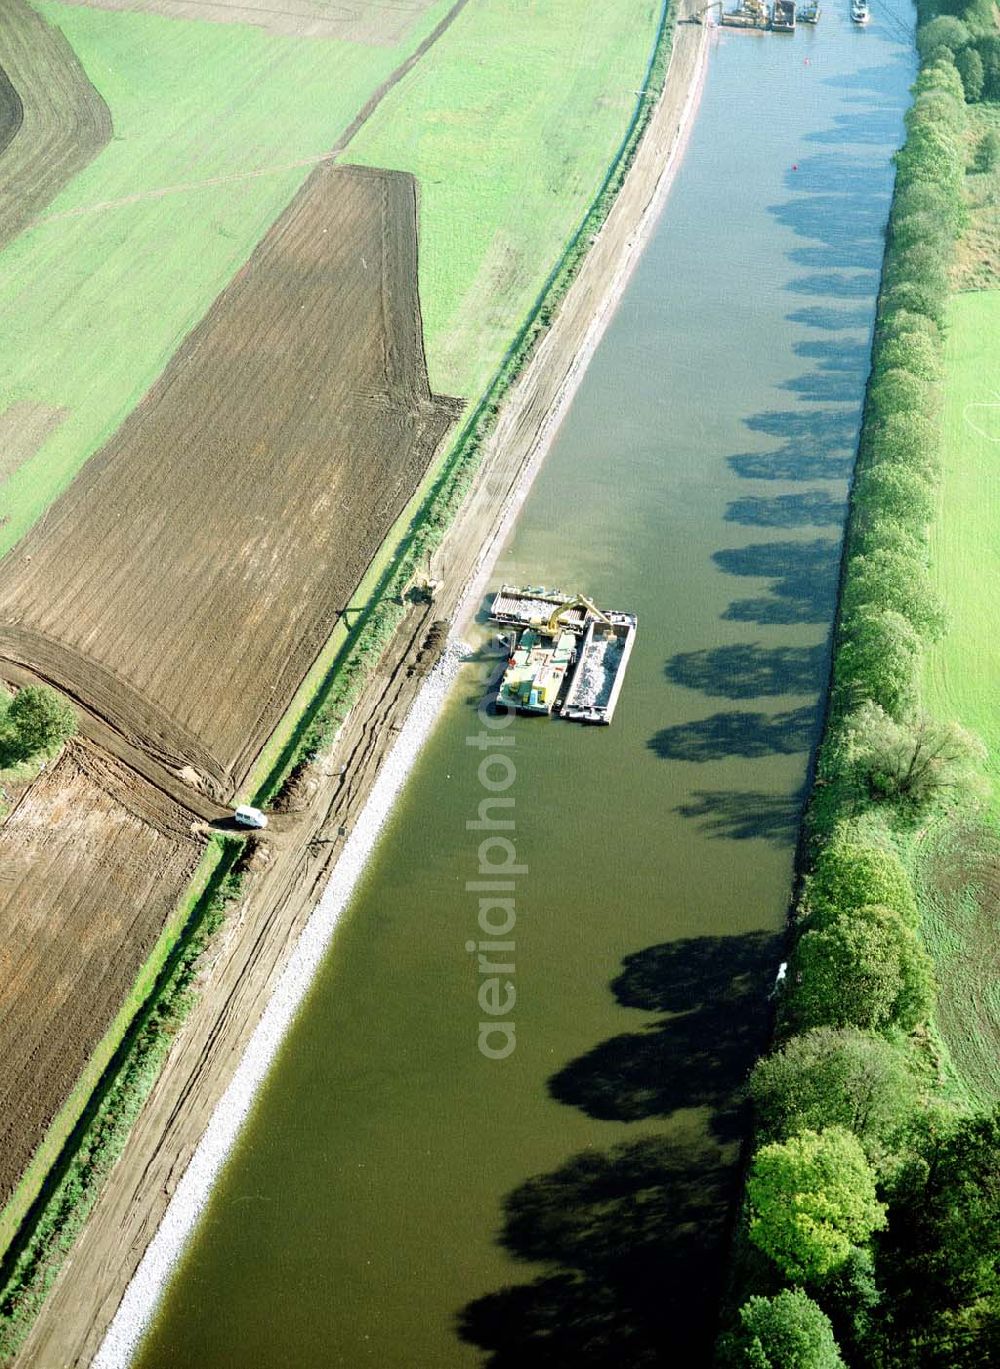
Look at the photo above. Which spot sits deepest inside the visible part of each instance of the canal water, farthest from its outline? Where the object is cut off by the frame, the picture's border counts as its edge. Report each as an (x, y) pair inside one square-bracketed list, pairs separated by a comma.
[(398, 1198)]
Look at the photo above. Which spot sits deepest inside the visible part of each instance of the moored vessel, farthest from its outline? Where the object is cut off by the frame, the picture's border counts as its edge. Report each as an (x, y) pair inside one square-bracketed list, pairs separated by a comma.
[(570, 656)]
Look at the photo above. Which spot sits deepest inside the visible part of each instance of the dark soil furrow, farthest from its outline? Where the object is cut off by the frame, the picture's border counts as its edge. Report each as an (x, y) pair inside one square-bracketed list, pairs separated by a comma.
[(182, 587), (52, 120)]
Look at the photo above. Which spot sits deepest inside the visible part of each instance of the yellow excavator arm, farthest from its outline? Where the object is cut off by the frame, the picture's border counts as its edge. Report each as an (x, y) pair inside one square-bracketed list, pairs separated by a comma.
[(581, 601)]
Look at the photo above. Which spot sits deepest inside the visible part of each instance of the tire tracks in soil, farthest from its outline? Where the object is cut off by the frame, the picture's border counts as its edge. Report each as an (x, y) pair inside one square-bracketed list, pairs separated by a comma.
[(255, 944), (357, 123)]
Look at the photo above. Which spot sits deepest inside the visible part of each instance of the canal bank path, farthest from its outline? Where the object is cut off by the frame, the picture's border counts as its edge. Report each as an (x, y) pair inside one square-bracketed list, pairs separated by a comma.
[(261, 937), (397, 1199)]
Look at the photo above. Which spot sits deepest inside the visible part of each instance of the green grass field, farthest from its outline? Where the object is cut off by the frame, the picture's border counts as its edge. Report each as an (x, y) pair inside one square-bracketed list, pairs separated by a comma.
[(957, 866), (521, 115), (957, 869), (92, 306), (962, 670), (510, 140), (978, 258), (509, 123)]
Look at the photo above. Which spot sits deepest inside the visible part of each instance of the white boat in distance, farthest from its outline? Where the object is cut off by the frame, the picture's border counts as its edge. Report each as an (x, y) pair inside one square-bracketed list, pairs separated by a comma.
[(860, 13)]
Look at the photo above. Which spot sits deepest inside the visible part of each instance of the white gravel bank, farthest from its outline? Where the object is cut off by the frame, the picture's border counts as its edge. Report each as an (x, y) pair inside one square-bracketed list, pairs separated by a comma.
[(191, 1196), (146, 1288)]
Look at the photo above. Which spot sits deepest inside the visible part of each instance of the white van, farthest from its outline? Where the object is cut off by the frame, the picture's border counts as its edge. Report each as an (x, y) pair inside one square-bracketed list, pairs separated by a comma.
[(250, 817)]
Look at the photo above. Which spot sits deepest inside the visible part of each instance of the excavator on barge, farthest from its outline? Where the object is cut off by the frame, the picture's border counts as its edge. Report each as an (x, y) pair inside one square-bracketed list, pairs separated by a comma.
[(569, 656), (778, 17)]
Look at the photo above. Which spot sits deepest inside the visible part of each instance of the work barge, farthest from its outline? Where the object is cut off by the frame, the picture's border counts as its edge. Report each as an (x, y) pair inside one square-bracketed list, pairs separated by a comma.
[(566, 655), (779, 16)]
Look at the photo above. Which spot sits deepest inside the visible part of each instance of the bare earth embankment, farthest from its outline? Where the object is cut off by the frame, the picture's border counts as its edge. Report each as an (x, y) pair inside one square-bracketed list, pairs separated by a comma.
[(279, 899), (185, 582), (52, 120)]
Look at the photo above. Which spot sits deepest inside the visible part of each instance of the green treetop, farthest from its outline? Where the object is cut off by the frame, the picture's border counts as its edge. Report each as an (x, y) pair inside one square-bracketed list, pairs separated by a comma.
[(812, 1200), (785, 1332)]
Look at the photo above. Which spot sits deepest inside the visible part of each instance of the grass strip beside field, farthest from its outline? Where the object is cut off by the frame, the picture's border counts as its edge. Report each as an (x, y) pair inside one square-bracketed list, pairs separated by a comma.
[(962, 669), (508, 124), (957, 876), (958, 868), (978, 260), (93, 305)]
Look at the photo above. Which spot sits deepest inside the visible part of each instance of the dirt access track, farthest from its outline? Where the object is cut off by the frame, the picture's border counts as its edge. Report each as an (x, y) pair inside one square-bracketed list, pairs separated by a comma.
[(92, 862), (183, 585), (378, 23), (260, 934), (52, 120)]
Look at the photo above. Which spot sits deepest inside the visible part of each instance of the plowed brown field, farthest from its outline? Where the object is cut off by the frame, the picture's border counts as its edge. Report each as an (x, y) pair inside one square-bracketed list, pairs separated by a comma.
[(11, 110), (55, 119), (92, 862), (186, 581)]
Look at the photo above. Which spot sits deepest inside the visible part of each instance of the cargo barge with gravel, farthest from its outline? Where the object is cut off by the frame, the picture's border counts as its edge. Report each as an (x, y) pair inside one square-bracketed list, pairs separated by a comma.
[(566, 655)]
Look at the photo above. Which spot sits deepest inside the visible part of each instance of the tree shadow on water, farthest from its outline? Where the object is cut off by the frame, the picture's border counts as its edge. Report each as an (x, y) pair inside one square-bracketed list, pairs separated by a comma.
[(874, 127), (825, 387), (879, 81), (697, 973), (809, 603), (836, 220), (803, 575), (836, 175), (748, 670), (795, 461), (780, 560), (839, 203), (631, 1239), (825, 258), (831, 426), (818, 444), (836, 284), (812, 508), (829, 318), (752, 735), (714, 989), (836, 354), (747, 815)]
